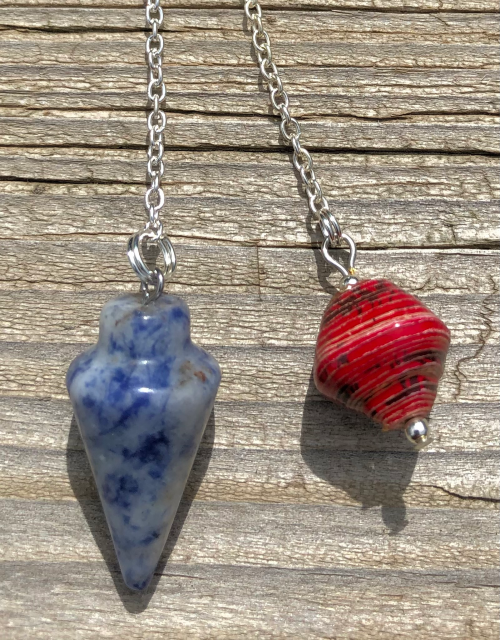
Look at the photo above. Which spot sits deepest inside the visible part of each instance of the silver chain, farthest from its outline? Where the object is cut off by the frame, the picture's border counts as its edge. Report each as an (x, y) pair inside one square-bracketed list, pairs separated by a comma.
[(290, 130), (152, 281)]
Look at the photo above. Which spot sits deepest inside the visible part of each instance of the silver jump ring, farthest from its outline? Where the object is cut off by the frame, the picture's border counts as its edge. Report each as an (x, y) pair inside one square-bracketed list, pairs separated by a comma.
[(327, 245), (148, 277), (329, 225)]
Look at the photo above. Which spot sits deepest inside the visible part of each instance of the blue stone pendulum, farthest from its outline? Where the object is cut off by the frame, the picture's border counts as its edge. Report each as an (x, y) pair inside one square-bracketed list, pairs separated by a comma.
[(142, 397)]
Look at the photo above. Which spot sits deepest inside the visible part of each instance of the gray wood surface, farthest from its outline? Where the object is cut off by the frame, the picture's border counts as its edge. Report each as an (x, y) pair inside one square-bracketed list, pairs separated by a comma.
[(300, 519)]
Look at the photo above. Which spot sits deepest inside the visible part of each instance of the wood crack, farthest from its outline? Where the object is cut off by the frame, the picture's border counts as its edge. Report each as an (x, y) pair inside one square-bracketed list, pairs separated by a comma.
[(464, 497), (488, 312)]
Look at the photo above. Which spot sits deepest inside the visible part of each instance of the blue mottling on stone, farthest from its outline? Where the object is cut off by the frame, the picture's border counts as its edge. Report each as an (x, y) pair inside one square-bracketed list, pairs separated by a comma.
[(142, 397)]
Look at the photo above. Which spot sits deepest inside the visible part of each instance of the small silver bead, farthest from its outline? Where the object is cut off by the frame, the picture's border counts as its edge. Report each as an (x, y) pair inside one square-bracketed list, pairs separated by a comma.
[(417, 431), (349, 281)]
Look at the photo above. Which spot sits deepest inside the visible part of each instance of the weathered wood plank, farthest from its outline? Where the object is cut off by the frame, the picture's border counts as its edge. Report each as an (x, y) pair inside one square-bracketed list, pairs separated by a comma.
[(228, 319), (310, 423), (251, 602), (387, 200), (425, 271), (69, 265), (331, 536), (373, 93), (249, 373), (346, 25), (351, 176), (221, 268), (452, 133), (309, 476), (210, 48)]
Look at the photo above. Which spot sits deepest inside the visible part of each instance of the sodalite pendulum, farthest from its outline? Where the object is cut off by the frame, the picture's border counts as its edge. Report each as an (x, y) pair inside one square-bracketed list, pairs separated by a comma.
[(142, 398), (143, 394)]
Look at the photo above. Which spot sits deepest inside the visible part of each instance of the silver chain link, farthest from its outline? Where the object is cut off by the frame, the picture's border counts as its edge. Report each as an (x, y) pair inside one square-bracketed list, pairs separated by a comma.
[(154, 199), (290, 130)]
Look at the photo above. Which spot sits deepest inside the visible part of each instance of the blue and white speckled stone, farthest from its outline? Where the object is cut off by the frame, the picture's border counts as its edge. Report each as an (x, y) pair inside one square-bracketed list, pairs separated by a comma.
[(142, 398)]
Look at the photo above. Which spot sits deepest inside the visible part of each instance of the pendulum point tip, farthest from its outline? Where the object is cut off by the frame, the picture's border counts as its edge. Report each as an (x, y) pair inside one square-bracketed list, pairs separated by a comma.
[(418, 433)]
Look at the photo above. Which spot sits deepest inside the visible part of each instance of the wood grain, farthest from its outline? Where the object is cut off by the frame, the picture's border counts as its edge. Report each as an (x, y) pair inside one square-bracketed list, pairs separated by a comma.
[(345, 24), (262, 602), (67, 317), (355, 91), (43, 424), (102, 48), (217, 526), (451, 133), (251, 373), (387, 200), (300, 520)]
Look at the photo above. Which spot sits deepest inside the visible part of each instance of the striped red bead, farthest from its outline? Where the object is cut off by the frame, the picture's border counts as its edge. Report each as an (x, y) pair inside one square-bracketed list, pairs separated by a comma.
[(380, 351)]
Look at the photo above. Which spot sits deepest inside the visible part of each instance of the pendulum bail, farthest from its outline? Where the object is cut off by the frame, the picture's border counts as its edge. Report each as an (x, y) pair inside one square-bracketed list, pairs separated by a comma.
[(152, 281), (302, 160)]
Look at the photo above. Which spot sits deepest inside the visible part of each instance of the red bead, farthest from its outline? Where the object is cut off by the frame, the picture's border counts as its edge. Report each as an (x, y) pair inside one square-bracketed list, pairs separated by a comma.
[(380, 351)]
